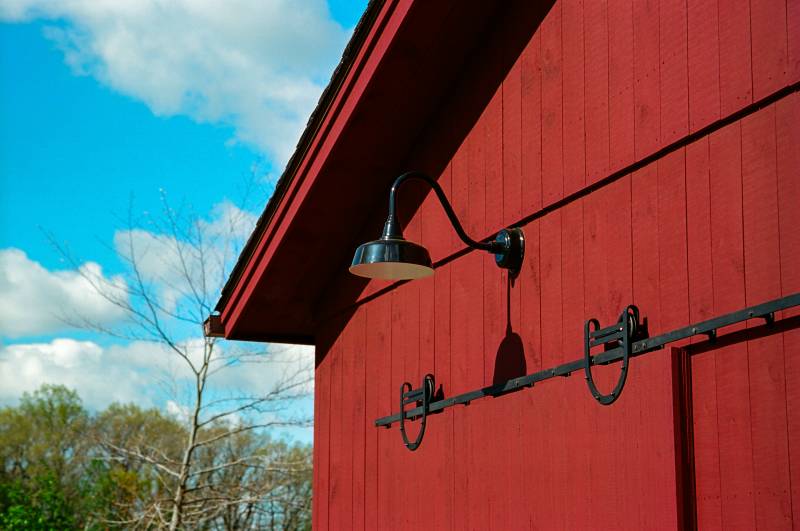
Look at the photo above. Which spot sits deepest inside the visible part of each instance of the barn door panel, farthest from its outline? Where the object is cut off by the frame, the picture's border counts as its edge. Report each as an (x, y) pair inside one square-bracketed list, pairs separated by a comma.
[(738, 439)]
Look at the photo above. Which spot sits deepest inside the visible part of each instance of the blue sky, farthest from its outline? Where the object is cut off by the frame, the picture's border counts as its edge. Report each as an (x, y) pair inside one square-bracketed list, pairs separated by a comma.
[(103, 106)]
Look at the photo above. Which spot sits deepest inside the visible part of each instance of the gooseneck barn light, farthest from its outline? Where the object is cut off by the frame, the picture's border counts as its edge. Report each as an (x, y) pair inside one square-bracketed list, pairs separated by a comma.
[(392, 257)]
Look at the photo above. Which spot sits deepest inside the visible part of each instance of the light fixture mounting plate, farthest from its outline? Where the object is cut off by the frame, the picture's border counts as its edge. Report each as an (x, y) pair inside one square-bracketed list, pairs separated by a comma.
[(511, 250)]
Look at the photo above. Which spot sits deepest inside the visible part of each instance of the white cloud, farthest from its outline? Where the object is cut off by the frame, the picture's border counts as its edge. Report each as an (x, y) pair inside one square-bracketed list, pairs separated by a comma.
[(178, 411), (142, 372), (258, 66), (80, 365), (38, 301), (285, 361), (229, 221)]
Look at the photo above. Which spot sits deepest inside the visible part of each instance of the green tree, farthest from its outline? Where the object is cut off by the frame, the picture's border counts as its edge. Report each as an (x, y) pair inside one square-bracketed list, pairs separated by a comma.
[(43, 448), (63, 468)]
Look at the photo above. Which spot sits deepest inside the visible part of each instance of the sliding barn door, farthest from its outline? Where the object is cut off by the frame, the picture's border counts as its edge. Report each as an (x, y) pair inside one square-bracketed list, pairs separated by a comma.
[(744, 442)]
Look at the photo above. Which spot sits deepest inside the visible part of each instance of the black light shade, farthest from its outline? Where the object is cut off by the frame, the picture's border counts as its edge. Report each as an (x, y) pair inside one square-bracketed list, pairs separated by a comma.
[(391, 259)]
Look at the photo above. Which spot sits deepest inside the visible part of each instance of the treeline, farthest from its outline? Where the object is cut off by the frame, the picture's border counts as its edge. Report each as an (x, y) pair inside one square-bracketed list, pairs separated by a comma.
[(62, 467)]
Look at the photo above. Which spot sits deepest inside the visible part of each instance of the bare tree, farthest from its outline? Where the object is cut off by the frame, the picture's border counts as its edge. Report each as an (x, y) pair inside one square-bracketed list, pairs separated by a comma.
[(176, 267)]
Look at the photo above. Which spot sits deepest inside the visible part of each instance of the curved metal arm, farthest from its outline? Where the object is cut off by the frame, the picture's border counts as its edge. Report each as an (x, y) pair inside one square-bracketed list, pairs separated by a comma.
[(392, 227)]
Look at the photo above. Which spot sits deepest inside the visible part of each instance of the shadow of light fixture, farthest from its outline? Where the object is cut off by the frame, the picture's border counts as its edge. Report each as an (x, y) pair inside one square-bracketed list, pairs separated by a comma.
[(392, 257)]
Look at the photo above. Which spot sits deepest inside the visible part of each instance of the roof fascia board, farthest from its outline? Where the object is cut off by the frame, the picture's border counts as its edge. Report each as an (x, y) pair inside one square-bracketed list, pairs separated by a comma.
[(389, 20)]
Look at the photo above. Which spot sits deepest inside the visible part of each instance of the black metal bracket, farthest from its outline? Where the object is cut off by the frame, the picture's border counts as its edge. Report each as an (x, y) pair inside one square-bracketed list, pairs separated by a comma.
[(638, 344), (620, 335), (421, 398), (508, 246)]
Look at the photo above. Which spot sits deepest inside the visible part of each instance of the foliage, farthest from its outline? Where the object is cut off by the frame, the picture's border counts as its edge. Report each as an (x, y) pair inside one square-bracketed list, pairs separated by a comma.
[(60, 469)]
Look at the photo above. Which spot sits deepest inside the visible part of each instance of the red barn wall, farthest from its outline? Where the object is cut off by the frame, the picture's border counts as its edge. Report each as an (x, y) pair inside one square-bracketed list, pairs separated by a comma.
[(706, 227)]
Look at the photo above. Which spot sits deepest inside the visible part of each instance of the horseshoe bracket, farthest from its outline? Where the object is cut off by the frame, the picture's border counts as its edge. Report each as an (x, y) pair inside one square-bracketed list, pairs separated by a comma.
[(620, 335), (420, 397)]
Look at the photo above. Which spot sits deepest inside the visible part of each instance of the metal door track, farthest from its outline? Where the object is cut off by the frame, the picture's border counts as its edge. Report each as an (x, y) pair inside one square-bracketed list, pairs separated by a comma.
[(623, 340)]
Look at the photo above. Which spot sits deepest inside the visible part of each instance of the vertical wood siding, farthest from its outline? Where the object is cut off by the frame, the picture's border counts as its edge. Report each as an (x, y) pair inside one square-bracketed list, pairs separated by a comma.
[(709, 228)]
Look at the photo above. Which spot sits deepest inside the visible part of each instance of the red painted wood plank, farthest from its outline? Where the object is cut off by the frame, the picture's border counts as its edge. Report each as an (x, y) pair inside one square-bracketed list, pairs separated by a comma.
[(379, 344), (577, 426), (698, 231), (599, 236), (760, 205), (646, 295), (343, 379), (529, 494), (770, 46), (531, 126), (552, 97), (461, 301), (339, 499), (673, 277), (733, 405), (442, 426), (788, 168), (735, 72), (549, 495), (572, 271), (793, 30), (574, 133), (428, 455), (475, 222), (320, 493), (673, 286), (646, 77), (376, 361), (405, 342), (494, 182), (621, 104), (525, 320), (763, 282), (511, 144), (706, 442), (701, 307), (703, 63), (515, 409), (551, 275), (596, 87), (529, 287), (434, 230), (487, 446), (515, 160), (354, 392), (473, 424), (651, 425), (645, 279), (673, 71), (493, 319), (395, 515)]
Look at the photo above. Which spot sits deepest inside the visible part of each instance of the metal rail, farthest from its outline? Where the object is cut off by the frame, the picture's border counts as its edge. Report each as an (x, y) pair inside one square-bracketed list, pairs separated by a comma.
[(708, 328)]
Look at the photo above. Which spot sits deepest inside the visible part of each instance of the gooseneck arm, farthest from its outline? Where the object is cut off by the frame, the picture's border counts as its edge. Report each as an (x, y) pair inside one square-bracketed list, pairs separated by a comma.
[(392, 227)]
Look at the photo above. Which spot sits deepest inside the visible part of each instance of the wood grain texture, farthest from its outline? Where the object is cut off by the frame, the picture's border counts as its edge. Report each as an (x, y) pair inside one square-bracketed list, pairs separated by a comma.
[(735, 65), (673, 70), (621, 103), (703, 62), (762, 282), (733, 396), (647, 90), (787, 126), (703, 230), (574, 132), (552, 107), (596, 90)]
